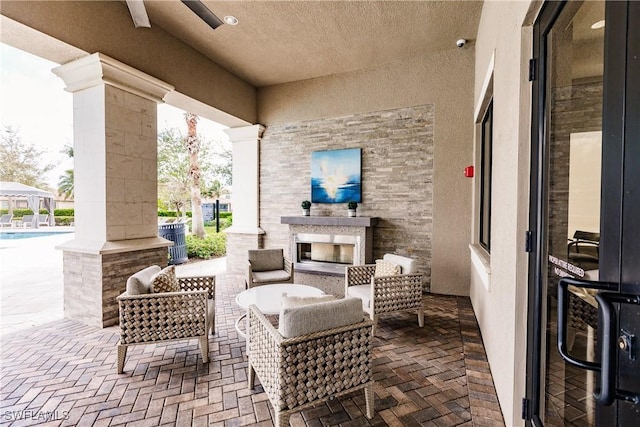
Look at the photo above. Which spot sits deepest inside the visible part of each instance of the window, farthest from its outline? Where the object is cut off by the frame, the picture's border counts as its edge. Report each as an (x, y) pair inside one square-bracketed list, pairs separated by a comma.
[(485, 178)]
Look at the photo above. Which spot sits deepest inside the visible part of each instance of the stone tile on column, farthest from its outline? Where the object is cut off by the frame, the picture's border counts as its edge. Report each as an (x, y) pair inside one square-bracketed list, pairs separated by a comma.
[(137, 103), (137, 190), (141, 231), (149, 170), (140, 147), (115, 141), (116, 189), (120, 166), (116, 232)]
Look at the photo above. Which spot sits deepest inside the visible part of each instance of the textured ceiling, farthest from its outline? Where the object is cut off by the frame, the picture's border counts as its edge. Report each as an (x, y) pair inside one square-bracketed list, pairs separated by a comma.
[(282, 41)]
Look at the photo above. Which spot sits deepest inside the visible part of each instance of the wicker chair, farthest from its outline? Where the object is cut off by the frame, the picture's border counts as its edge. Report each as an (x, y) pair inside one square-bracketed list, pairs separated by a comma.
[(299, 371), (386, 294), (268, 266), (168, 316)]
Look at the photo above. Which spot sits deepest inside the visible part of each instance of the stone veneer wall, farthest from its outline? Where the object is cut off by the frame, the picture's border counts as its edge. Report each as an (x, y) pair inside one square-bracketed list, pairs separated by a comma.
[(93, 282), (397, 176)]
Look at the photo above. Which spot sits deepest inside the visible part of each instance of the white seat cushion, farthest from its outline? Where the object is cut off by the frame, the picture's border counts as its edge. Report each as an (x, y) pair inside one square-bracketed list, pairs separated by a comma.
[(271, 276), (361, 291)]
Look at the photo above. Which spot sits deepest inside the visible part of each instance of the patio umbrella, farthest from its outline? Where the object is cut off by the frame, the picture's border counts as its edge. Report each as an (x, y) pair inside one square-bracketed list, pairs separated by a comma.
[(15, 190)]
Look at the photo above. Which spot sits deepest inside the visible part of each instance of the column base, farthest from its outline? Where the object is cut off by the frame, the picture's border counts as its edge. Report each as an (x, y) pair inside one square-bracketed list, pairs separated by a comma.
[(238, 243), (93, 280)]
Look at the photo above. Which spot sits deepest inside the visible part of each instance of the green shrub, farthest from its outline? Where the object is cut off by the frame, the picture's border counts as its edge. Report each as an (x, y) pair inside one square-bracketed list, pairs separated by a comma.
[(213, 245), (19, 213), (64, 212), (64, 220), (224, 223)]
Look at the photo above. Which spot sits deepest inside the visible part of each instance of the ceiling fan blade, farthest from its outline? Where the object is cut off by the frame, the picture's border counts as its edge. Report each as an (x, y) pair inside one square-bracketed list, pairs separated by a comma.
[(203, 12), (138, 13)]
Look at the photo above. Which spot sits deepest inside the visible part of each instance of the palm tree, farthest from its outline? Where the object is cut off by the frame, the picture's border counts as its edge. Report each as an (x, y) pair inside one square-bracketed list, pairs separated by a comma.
[(216, 190), (65, 184), (68, 150), (192, 144)]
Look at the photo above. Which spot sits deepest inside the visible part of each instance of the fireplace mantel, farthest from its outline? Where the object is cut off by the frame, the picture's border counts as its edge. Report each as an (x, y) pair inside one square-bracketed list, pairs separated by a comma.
[(340, 221), (316, 262), (320, 231)]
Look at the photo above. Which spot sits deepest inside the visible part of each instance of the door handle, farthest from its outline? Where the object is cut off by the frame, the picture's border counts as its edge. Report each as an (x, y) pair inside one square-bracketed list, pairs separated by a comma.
[(607, 392), (563, 317)]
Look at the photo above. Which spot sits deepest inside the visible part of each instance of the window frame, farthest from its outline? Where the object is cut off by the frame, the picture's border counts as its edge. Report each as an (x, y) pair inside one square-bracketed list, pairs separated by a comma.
[(485, 177)]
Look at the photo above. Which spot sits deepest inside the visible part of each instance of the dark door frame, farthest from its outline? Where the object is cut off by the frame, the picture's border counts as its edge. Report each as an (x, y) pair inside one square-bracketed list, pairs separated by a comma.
[(621, 133), (537, 198), (621, 126)]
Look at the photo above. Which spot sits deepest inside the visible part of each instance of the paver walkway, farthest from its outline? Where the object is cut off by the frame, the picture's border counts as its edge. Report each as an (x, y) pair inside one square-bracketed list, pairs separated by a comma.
[(66, 371), (57, 372)]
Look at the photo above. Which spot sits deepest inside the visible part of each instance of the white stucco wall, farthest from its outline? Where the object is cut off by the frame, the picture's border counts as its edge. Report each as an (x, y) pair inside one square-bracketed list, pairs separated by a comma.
[(503, 47)]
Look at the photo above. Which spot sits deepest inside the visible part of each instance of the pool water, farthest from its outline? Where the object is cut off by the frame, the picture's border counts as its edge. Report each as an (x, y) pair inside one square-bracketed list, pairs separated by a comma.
[(19, 235)]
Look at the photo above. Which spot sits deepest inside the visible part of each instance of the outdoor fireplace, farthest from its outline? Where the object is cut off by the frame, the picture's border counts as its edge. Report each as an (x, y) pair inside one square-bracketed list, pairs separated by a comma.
[(322, 246), (327, 253)]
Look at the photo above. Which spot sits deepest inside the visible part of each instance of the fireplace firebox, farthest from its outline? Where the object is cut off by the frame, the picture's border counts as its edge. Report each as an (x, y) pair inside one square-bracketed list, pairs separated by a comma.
[(321, 247), (327, 253)]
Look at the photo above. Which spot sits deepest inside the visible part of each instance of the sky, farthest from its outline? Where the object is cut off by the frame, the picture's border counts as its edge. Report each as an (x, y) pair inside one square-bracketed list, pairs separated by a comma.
[(33, 100)]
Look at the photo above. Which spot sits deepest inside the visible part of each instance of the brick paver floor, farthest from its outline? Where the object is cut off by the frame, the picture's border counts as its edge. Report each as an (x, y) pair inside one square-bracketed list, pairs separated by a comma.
[(64, 373)]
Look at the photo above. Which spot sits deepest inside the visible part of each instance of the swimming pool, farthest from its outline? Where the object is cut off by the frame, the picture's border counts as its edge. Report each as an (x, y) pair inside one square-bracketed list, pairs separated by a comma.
[(25, 235)]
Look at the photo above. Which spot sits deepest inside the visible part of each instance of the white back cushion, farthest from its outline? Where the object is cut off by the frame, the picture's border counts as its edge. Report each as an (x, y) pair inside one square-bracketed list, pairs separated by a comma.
[(140, 283), (307, 319), (408, 265)]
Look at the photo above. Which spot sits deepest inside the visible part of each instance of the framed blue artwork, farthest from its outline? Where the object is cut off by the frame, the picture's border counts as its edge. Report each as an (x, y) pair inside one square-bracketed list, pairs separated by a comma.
[(336, 176)]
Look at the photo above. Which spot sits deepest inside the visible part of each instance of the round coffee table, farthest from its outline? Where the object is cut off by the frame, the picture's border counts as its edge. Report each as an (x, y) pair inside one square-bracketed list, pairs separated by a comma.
[(267, 298)]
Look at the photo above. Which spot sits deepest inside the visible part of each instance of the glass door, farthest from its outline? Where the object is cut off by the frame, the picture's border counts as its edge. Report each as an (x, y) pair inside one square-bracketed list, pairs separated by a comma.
[(582, 223), (575, 52)]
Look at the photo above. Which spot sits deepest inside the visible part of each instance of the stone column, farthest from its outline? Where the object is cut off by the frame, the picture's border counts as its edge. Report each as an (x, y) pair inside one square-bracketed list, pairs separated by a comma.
[(115, 156), (245, 233)]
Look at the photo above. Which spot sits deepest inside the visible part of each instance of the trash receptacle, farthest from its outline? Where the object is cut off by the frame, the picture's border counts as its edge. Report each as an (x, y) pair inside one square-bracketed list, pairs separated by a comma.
[(175, 233)]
